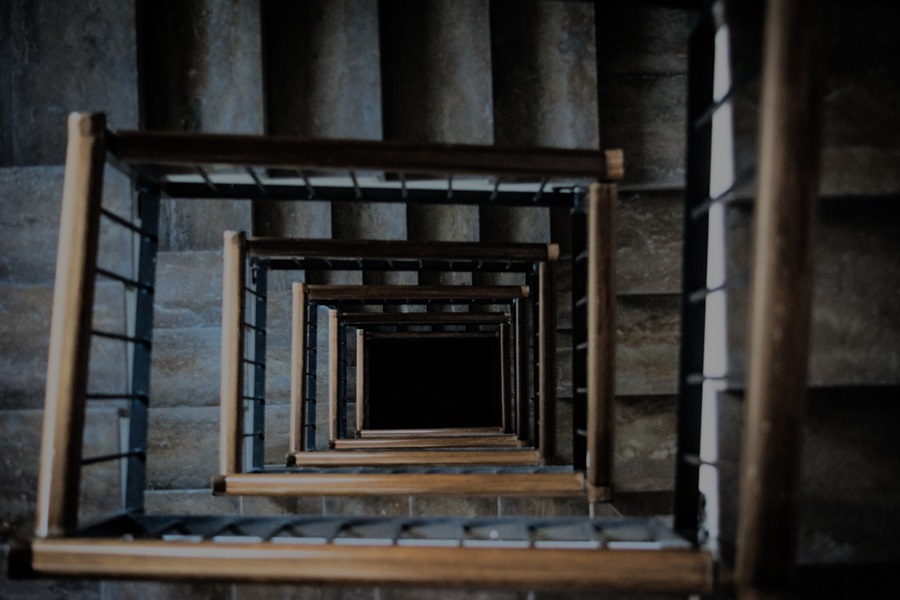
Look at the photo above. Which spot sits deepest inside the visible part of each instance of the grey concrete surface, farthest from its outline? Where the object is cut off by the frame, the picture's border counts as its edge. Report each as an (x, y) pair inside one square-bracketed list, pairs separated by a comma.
[(59, 58)]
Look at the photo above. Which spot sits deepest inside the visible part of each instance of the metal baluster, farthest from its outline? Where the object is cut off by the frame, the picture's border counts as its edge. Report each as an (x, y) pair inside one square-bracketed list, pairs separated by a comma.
[(136, 467)]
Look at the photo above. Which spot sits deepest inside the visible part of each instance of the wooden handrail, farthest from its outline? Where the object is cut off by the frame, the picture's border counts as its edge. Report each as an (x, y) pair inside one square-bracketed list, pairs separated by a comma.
[(673, 571), (475, 441), (361, 458), (231, 410), (601, 336), (360, 380), (780, 298), (402, 250), (430, 432), (506, 408), (70, 327), (546, 361), (520, 309), (197, 149), (407, 484), (333, 375)]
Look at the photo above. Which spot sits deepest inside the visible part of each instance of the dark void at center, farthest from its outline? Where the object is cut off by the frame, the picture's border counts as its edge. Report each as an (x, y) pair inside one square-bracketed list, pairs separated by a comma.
[(433, 383)]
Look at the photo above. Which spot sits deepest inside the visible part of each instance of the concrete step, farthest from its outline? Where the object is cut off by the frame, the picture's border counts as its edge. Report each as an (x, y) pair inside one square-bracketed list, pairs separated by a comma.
[(436, 87), (545, 94), (643, 90), (26, 329), (205, 75), (20, 441), (206, 68), (649, 242), (88, 62), (29, 223), (860, 139), (855, 333), (647, 344), (323, 79), (544, 74), (850, 439)]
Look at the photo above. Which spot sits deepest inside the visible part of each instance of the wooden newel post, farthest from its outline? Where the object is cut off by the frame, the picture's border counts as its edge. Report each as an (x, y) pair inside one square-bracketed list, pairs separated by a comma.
[(506, 380), (297, 427), (780, 297), (360, 380), (547, 359), (521, 337), (601, 322), (231, 423), (70, 327), (333, 374)]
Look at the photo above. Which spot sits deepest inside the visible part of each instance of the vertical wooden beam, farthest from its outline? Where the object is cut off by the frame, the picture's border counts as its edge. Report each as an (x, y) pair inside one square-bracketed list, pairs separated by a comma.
[(505, 379), (547, 360), (231, 421), (333, 374), (521, 325), (297, 428), (70, 327), (360, 380), (787, 180), (601, 323)]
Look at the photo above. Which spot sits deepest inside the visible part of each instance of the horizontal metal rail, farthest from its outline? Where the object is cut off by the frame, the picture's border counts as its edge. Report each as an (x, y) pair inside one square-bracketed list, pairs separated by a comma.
[(274, 190), (432, 335), (409, 294), (121, 337), (125, 280), (384, 264), (127, 224), (111, 457), (122, 396)]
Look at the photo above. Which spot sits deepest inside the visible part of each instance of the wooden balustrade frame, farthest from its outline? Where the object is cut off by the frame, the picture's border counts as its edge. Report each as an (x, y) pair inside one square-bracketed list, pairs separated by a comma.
[(70, 328), (364, 320), (60, 548), (601, 312), (336, 295)]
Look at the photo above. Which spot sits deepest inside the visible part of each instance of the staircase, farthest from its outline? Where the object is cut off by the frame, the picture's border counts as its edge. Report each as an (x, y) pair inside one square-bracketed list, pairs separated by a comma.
[(484, 72), (447, 75)]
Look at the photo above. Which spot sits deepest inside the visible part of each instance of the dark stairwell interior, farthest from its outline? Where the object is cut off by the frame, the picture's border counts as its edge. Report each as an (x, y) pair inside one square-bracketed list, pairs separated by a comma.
[(350, 70)]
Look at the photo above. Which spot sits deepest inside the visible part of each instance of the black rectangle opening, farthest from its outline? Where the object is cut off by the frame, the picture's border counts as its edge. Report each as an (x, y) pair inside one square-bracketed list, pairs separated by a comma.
[(432, 383)]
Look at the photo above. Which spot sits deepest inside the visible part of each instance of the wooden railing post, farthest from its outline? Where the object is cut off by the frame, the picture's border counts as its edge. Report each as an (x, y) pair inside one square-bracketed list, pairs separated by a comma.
[(778, 326), (521, 324), (360, 380), (547, 360), (297, 428), (601, 336), (505, 379), (70, 327), (231, 423), (333, 374)]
